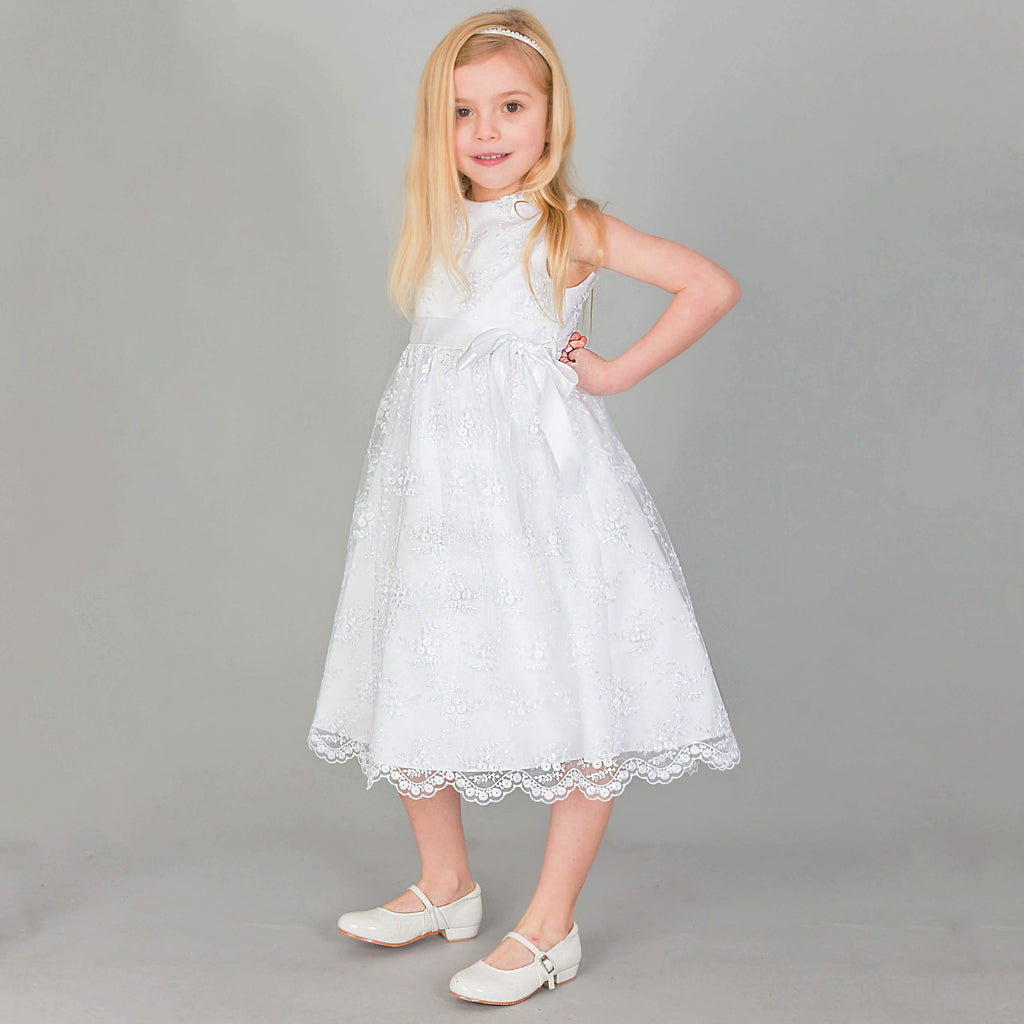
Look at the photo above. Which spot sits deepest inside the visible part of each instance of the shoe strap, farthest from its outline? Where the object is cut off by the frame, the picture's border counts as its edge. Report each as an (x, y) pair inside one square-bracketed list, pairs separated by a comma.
[(427, 905), (434, 915), (542, 958)]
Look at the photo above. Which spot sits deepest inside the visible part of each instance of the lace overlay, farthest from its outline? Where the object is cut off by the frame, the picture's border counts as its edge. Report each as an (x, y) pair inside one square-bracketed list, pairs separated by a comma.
[(512, 613)]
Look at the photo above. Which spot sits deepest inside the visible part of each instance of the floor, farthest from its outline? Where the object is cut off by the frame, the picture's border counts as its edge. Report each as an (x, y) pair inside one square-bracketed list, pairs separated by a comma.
[(240, 927)]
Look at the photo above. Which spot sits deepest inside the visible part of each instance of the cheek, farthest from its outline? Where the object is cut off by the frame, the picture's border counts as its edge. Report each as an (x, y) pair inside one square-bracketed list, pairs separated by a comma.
[(525, 134)]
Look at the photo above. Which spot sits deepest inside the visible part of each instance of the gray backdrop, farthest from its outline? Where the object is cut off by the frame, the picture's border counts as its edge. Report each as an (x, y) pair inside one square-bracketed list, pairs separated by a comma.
[(199, 200)]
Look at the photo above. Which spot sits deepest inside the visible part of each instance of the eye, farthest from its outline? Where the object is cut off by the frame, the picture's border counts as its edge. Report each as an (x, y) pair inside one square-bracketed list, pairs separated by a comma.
[(513, 103), (458, 111)]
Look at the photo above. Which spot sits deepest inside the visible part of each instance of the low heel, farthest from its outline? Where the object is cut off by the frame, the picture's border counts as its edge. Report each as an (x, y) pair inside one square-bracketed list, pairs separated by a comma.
[(458, 934), (566, 975)]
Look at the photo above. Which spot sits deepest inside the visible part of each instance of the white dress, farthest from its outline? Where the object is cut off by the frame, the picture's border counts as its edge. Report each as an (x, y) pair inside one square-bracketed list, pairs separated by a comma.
[(512, 612)]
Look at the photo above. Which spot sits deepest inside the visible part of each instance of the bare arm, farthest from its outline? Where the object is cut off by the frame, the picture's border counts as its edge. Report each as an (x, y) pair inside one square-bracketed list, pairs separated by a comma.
[(702, 293)]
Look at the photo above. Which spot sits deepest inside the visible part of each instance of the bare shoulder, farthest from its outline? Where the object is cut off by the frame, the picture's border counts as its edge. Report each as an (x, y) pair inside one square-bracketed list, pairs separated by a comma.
[(586, 238)]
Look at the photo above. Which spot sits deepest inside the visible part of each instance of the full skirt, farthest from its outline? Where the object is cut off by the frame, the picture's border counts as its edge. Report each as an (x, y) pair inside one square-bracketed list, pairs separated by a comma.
[(500, 628)]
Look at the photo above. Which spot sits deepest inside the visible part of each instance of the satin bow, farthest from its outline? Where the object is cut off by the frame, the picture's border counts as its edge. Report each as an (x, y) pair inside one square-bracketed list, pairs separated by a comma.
[(548, 382)]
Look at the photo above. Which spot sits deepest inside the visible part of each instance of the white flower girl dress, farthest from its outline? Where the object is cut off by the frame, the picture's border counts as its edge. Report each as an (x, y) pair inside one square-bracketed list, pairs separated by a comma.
[(512, 614)]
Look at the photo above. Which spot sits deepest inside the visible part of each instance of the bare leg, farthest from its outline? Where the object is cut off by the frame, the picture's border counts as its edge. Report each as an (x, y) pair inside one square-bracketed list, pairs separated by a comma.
[(444, 864), (574, 835)]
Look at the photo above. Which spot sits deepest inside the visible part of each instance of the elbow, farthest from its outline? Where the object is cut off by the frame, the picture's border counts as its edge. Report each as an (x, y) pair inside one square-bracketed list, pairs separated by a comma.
[(732, 290), (718, 293), (727, 295)]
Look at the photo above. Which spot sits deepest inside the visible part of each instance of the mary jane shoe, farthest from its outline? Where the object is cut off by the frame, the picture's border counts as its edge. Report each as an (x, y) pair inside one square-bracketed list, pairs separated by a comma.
[(457, 920), (484, 983)]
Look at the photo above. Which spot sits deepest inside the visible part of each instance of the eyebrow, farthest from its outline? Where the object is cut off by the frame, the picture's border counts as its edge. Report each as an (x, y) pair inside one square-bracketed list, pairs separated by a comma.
[(511, 92)]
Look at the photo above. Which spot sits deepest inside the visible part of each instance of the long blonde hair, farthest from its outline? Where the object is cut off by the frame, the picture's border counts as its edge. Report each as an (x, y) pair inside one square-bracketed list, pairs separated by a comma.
[(434, 187)]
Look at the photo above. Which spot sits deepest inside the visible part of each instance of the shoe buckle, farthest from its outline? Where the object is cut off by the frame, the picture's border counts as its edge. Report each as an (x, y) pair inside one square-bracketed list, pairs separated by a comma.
[(546, 963)]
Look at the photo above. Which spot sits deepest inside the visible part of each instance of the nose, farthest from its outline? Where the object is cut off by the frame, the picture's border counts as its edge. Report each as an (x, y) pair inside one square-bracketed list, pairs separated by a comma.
[(485, 128)]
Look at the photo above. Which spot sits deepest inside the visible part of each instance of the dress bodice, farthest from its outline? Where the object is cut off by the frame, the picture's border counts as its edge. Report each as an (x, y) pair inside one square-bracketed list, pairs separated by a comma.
[(493, 262)]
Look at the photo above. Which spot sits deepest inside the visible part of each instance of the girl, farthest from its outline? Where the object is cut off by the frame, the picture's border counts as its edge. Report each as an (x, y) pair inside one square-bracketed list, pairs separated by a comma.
[(512, 612)]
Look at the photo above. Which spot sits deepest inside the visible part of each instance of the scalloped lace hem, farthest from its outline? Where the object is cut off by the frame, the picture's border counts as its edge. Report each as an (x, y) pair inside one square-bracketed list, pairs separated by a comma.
[(597, 780)]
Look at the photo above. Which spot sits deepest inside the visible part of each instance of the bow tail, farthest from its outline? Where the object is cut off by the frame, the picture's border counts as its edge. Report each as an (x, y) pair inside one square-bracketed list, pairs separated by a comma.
[(554, 387)]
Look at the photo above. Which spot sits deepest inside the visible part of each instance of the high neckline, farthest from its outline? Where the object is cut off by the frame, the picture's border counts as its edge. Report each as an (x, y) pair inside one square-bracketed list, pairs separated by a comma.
[(501, 200)]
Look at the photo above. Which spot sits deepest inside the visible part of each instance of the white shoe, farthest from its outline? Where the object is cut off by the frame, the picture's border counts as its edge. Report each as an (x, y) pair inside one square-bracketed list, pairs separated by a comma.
[(457, 920), (484, 983)]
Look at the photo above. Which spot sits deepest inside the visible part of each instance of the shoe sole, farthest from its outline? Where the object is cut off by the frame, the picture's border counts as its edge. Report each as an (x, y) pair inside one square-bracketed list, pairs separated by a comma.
[(395, 945), (511, 1002)]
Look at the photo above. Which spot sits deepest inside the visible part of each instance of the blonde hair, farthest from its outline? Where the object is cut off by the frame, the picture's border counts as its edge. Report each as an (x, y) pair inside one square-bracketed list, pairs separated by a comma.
[(434, 187)]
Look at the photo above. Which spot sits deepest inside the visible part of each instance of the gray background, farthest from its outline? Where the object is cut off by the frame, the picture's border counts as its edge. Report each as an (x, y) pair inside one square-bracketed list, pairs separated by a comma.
[(198, 204)]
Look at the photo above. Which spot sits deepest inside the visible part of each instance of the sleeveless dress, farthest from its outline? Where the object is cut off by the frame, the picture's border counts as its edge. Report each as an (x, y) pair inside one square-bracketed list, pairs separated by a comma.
[(512, 614)]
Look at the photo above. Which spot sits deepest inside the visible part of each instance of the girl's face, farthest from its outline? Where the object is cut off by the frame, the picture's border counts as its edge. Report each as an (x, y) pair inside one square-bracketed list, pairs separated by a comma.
[(501, 114)]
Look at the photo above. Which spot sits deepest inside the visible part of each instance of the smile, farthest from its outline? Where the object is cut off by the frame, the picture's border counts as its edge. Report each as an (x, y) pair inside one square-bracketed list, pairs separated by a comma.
[(491, 158)]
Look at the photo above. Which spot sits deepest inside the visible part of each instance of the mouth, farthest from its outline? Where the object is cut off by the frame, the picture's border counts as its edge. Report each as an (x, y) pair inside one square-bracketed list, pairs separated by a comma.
[(490, 158)]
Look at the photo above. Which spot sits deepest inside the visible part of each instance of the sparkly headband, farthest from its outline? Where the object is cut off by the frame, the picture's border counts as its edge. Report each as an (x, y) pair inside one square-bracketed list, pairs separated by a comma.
[(515, 35)]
